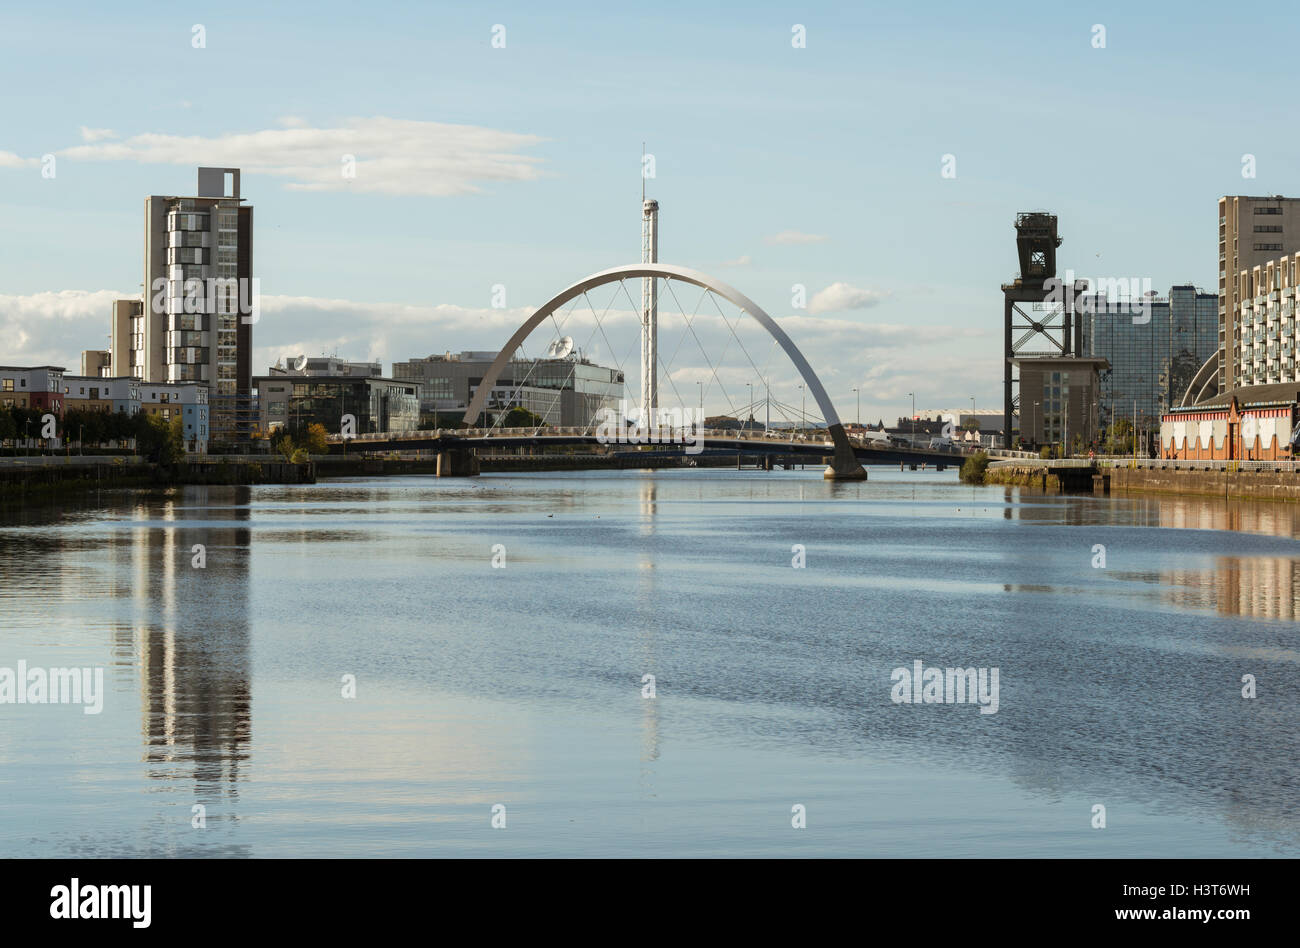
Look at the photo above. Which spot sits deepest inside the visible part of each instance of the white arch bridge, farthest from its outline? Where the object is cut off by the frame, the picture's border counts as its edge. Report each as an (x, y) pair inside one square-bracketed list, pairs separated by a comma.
[(844, 464)]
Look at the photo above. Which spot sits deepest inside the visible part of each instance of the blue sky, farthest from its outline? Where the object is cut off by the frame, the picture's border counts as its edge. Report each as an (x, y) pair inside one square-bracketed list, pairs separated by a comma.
[(1131, 145)]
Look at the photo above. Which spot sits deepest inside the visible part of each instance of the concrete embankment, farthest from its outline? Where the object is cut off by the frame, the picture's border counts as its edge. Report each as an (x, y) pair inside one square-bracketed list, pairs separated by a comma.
[(1038, 478), (54, 476), (1236, 485)]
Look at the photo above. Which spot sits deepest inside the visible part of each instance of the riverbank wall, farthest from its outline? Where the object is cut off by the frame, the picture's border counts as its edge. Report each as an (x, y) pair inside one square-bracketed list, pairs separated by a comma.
[(1234, 485), (44, 477)]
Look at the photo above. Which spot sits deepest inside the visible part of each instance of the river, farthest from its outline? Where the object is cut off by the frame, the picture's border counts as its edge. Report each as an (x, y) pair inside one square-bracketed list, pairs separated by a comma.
[(389, 667)]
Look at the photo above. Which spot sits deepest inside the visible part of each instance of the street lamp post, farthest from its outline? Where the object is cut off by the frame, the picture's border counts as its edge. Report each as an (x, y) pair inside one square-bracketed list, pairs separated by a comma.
[(857, 417), (751, 403), (803, 411), (912, 395)]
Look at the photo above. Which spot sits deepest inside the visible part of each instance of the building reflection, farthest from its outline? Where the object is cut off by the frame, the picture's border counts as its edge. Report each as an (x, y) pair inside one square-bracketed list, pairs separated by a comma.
[(648, 645), (191, 636), (1263, 587)]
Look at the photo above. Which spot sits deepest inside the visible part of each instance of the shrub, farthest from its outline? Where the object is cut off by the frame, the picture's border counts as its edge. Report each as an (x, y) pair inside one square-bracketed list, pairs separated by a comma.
[(972, 469)]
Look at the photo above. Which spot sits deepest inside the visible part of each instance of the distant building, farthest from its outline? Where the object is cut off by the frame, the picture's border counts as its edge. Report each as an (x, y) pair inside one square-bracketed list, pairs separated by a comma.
[(1252, 231), (326, 389), (39, 387), (1153, 350), (185, 400), (198, 279), (87, 393), (563, 392), (1058, 399), (1254, 423), (982, 426), (95, 362), (126, 347), (1265, 323)]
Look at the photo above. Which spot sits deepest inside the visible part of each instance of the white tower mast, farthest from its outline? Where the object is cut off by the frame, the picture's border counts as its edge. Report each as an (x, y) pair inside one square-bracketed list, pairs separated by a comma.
[(649, 309)]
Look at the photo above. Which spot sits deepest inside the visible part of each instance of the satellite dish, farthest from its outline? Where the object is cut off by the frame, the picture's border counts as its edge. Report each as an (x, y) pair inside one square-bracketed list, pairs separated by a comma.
[(300, 363), (560, 348)]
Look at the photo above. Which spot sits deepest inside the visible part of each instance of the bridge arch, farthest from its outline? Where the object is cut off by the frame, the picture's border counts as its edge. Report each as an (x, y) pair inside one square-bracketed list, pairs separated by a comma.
[(844, 465)]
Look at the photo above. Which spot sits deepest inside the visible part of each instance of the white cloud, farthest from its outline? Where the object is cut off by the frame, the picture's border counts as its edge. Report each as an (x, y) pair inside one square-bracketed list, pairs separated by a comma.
[(96, 134), (841, 296), (794, 237), (393, 156), (741, 261), (53, 328), (292, 121), (9, 160)]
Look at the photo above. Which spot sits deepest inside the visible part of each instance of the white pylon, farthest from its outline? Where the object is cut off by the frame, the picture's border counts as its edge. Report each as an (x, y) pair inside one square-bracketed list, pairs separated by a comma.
[(649, 314)]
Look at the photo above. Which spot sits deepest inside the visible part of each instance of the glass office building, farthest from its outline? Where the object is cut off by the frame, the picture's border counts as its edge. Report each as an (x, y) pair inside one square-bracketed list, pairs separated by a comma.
[(1152, 361)]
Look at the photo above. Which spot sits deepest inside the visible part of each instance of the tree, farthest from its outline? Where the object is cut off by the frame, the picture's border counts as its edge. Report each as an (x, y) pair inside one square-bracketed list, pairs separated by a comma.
[(158, 440), (1119, 439), (316, 440), (8, 429), (518, 417)]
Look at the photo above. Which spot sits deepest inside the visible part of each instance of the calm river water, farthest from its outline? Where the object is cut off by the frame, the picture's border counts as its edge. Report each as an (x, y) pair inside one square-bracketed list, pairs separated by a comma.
[(522, 686)]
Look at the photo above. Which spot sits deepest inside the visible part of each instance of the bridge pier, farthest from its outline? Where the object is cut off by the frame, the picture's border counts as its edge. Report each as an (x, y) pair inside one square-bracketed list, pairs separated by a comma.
[(844, 464), (457, 462)]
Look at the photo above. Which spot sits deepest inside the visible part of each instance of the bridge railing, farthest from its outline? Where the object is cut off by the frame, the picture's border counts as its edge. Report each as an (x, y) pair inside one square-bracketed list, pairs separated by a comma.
[(815, 438)]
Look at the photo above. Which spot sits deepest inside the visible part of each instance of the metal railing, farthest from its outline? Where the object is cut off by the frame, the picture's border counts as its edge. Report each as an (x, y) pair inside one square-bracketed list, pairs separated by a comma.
[(1171, 464), (1036, 461)]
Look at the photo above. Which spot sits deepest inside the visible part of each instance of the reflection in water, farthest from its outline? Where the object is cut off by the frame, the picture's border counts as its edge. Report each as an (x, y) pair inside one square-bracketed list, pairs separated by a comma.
[(192, 636), (1258, 587)]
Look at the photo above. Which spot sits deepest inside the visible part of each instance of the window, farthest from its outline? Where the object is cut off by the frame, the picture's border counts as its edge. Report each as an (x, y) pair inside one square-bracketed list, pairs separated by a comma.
[(6, 385), (1268, 246), (1268, 228), (1268, 210)]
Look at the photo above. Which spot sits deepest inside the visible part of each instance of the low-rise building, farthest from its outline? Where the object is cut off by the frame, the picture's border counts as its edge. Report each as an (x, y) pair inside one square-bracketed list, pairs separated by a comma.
[(39, 387), (971, 426), (323, 391), (96, 393), (185, 400), (568, 391), (1257, 423)]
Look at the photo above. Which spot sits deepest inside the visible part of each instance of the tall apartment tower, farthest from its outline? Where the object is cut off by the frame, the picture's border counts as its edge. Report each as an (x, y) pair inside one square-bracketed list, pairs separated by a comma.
[(1252, 231), (200, 298)]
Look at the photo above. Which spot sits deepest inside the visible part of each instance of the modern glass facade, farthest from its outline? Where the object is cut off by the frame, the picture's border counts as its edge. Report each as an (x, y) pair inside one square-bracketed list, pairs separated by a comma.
[(1152, 361)]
